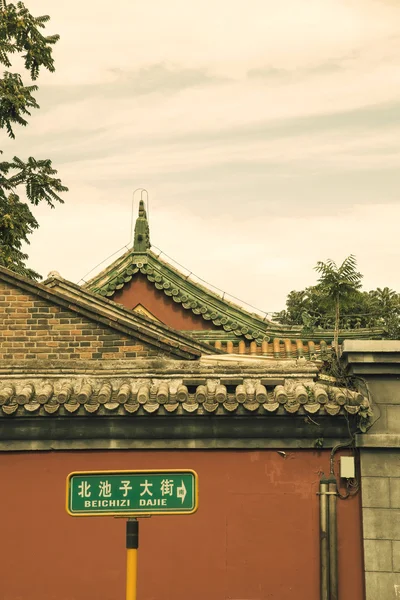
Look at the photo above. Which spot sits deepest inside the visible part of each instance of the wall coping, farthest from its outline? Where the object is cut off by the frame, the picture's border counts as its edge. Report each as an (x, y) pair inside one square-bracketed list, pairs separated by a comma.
[(378, 440), (371, 357), (368, 346)]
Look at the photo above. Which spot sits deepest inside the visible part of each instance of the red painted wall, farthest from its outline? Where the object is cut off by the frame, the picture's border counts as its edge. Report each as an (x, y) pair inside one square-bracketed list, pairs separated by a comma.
[(141, 291), (254, 537)]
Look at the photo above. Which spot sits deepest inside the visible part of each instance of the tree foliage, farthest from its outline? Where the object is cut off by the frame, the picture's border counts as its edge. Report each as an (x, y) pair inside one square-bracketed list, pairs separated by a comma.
[(338, 284), (314, 307), (21, 34)]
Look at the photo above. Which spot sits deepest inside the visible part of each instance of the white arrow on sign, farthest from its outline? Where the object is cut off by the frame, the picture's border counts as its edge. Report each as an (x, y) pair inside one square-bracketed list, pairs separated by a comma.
[(181, 492)]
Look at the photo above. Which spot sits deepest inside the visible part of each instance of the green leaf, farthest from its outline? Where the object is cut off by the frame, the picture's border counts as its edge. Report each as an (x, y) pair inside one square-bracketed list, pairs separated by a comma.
[(22, 33)]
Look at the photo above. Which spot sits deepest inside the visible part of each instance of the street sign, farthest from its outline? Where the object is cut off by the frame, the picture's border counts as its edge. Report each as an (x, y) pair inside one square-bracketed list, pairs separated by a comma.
[(132, 493)]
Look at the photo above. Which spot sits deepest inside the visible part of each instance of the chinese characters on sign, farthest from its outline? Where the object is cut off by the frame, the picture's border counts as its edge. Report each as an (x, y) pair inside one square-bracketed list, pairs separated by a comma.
[(150, 492)]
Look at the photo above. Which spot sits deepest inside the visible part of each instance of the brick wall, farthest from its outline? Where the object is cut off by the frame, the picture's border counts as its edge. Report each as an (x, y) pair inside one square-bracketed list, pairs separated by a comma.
[(34, 328), (380, 470), (381, 522), (376, 364)]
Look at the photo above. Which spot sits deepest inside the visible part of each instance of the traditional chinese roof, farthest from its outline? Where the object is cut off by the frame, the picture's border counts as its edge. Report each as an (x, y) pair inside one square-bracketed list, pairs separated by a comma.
[(235, 321), (101, 310)]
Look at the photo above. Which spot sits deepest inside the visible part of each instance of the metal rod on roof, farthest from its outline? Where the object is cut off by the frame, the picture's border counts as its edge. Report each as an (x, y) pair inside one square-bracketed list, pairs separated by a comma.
[(147, 202)]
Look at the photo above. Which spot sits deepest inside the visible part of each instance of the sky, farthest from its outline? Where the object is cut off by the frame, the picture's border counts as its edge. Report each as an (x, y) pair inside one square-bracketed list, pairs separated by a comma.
[(266, 134)]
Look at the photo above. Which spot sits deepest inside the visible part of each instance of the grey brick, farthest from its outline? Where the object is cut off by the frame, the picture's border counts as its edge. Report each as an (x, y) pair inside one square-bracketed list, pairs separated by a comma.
[(375, 492), (395, 493), (381, 523), (385, 390), (396, 556), (393, 419), (380, 463), (378, 555), (379, 420), (382, 586)]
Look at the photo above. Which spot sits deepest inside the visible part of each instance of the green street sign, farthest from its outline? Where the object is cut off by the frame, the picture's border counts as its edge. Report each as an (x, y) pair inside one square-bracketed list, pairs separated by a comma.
[(130, 493)]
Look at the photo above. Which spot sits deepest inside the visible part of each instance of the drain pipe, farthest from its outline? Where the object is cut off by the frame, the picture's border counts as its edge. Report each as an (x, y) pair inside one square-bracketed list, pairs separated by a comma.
[(324, 538), (332, 533), (328, 493), (332, 493)]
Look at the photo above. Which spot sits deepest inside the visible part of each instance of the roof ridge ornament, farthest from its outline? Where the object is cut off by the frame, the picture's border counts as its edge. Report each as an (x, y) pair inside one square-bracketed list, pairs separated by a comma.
[(141, 241)]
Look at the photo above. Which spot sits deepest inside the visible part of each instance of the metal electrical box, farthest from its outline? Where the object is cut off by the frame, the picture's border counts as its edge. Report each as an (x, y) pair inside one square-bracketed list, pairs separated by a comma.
[(347, 467)]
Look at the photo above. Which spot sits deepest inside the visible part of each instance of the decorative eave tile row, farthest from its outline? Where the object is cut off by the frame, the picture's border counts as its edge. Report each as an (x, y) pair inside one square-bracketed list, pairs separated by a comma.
[(162, 397), (201, 301), (277, 349)]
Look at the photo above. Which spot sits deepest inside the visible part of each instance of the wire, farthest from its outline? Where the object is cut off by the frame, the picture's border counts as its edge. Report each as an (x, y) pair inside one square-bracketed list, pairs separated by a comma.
[(349, 315), (263, 312), (102, 262)]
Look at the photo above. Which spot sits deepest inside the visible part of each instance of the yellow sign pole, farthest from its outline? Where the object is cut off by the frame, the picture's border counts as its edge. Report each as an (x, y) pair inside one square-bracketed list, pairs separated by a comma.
[(132, 544)]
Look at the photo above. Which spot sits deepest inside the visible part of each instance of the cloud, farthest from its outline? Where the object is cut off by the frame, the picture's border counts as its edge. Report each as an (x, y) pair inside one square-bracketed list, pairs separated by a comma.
[(266, 134), (160, 78), (294, 74), (225, 35)]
